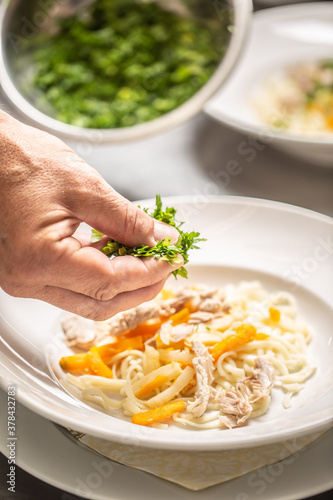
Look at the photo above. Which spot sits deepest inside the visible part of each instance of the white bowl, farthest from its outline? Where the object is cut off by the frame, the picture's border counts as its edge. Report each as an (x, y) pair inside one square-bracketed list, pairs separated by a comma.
[(296, 257), (280, 36), (18, 17)]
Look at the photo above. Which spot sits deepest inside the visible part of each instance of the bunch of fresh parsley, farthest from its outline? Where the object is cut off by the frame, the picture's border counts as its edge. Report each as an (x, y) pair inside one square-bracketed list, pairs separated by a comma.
[(164, 250)]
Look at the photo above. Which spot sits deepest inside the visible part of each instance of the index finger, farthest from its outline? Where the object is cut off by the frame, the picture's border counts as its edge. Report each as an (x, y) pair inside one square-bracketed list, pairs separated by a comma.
[(88, 271)]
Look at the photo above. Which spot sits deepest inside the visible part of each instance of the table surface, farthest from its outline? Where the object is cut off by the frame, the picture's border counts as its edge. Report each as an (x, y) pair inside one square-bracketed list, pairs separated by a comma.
[(30, 488), (192, 160)]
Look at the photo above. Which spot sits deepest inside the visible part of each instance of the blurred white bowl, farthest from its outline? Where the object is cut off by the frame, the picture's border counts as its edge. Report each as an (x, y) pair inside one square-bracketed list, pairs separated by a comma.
[(280, 36), (20, 16)]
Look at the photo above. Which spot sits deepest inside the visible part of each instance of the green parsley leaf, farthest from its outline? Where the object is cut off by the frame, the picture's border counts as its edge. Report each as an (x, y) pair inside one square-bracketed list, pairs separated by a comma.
[(96, 236), (164, 250)]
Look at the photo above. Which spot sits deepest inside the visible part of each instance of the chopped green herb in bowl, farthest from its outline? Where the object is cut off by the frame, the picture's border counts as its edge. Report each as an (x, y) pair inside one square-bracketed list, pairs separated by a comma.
[(121, 63)]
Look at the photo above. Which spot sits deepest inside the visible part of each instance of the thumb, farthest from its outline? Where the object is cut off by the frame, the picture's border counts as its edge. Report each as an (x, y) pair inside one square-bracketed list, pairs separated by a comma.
[(102, 208)]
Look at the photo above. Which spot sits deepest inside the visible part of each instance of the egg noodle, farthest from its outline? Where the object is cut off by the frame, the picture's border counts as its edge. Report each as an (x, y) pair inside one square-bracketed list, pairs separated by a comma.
[(209, 364)]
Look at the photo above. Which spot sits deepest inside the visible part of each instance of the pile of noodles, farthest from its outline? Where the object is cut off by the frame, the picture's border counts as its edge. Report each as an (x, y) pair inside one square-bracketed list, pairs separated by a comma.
[(284, 345)]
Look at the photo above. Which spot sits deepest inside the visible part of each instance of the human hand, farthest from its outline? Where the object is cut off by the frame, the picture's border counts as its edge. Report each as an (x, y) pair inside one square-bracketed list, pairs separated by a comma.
[(46, 192)]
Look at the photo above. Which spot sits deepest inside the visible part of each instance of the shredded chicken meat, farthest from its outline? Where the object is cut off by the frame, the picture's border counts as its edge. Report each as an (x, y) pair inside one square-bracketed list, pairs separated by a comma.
[(84, 334), (131, 318), (203, 366), (169, 333), (77, 332), (237, 402)]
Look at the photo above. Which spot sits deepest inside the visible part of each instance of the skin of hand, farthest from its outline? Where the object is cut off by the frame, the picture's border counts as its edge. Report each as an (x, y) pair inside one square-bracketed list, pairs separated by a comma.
[(46, 191)]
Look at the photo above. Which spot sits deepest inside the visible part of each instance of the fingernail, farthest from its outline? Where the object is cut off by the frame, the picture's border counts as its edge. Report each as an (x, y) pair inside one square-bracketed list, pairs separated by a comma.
[(162, 231)]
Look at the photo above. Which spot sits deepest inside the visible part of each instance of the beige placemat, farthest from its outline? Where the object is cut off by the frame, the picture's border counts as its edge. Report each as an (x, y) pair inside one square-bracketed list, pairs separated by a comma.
[(197, 470)]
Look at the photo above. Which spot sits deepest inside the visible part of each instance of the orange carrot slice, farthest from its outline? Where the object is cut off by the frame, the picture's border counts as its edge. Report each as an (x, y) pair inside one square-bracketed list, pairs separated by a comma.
[(145, 330), (181, 316), (329, 121), (157, 382), (98, 367), (76, 362), (261, 336), (274, 314), (157, 414), (244, 334), (88, 362), (107, 351), (149, 328)]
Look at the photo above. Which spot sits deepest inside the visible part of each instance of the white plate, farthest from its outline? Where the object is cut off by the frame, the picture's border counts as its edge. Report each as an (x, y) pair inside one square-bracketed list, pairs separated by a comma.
[(246, 239), (280, 36), (44, 451)]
